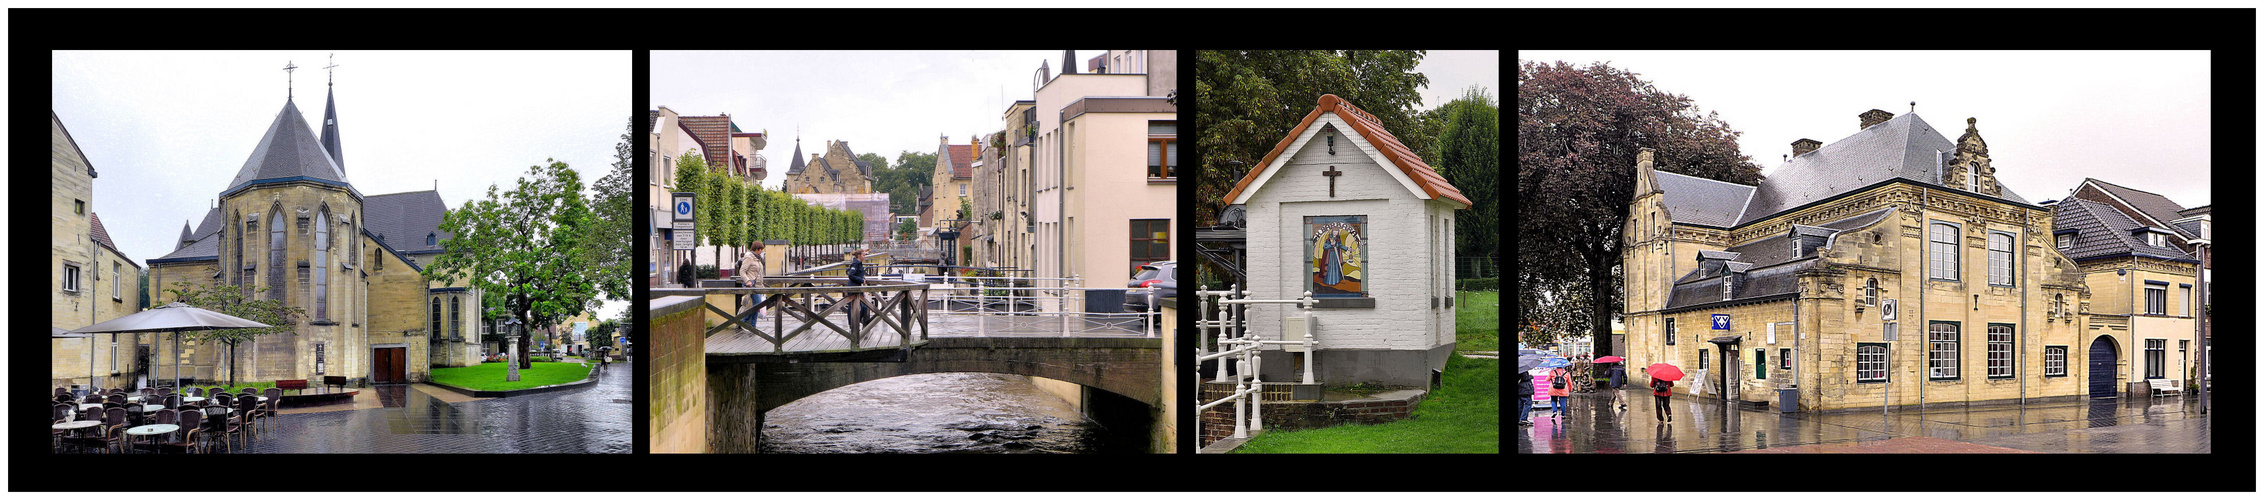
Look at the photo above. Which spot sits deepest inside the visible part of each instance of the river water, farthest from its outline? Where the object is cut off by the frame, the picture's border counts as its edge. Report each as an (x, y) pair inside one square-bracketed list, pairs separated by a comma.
[(934, 413)]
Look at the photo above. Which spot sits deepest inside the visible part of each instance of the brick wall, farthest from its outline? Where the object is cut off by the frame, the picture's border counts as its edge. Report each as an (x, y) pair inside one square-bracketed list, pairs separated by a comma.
[(676, 374)]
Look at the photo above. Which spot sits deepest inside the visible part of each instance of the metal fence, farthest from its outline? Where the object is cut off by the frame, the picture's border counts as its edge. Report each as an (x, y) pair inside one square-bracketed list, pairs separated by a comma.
[(1228, 332)]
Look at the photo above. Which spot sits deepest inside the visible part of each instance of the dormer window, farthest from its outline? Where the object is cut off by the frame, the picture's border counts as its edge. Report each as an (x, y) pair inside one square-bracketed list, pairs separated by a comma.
[(1796, 248), (1871, 292), (1725, 288), (432, 238), (2067, 241), (2156, 239), (1973, 176)]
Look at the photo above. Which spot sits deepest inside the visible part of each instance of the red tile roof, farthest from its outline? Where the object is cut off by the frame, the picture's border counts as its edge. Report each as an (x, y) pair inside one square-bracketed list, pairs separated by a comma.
[(962, 160), (714, 133), (1366, 125)]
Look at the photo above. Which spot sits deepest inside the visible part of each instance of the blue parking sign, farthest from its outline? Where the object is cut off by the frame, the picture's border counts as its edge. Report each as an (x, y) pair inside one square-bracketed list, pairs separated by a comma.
[(1721, 322)]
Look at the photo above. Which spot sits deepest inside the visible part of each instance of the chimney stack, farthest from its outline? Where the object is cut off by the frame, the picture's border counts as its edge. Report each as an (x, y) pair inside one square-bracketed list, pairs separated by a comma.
[(1804, 145), (1874, 117)]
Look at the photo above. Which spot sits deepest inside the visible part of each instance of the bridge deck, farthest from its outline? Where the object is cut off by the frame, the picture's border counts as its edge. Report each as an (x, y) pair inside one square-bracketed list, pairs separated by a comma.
[(738, 341)]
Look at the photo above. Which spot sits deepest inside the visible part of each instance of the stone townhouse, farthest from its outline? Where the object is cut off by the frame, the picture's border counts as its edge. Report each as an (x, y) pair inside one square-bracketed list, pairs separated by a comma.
[(89, 280), (2142, 274), (838, 171), (290, 226), (1887, 268)]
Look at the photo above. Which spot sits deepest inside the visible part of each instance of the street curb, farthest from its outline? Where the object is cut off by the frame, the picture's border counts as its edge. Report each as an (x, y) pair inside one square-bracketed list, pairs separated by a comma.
[(592, 379)]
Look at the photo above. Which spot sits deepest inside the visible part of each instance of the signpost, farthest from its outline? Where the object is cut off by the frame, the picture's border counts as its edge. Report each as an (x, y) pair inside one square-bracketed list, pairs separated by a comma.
[(681, 206)]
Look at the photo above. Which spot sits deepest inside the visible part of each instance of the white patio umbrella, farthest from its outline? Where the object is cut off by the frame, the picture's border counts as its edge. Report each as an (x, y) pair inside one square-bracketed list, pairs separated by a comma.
[(173, 317)]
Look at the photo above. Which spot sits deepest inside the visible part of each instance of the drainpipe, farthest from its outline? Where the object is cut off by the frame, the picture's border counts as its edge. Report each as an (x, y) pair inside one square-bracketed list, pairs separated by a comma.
[(2200, 317), (1924, 282), (2018, 357)]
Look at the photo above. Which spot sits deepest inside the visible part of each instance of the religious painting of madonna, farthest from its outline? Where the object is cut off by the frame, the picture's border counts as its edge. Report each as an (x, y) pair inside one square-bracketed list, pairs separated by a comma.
[(1336, 263)]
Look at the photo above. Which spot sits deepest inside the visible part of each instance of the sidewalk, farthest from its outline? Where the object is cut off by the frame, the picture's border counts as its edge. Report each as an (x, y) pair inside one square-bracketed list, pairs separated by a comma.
[(2127, 425)]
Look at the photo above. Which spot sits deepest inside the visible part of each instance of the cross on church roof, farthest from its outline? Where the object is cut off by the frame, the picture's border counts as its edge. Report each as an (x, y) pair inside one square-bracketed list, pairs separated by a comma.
[(333, 73), (288, 67)]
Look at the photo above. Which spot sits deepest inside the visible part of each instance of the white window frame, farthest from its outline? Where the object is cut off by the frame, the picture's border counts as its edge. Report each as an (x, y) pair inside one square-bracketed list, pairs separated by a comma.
[(2066, 241), (2157, 307), (1942, 350), (1935, 267), (2000, 338), (1870, 362), (2005, 272), (71, 278), (2055, 361), (114, 281)]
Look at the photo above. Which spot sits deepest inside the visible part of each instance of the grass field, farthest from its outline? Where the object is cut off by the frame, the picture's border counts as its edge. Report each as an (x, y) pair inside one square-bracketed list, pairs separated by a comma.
[(1477, 321), (1463, 416), (489, 376)]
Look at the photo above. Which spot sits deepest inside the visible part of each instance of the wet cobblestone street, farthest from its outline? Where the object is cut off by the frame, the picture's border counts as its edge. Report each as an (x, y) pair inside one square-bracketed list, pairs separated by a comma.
[(2062, 425), (586, 420)]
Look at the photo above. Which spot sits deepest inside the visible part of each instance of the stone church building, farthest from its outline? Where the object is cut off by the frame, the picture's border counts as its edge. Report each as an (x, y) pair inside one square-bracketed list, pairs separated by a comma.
[(291, 227), (1886, 268), (838, 171)]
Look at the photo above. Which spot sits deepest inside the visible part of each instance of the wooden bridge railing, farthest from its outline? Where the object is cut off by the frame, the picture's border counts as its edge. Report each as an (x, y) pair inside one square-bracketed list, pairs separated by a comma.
[(896, 310)]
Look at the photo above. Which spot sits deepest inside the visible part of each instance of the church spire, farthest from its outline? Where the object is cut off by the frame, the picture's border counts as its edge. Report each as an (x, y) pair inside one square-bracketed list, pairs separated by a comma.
[(330, 121)]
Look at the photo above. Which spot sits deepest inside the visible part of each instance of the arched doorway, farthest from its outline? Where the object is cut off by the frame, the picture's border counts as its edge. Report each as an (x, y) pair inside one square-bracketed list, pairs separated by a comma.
[(2103, 357)]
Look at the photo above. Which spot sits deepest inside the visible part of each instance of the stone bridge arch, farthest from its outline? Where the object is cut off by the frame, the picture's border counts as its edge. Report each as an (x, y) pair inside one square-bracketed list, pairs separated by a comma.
[(1128, 367)]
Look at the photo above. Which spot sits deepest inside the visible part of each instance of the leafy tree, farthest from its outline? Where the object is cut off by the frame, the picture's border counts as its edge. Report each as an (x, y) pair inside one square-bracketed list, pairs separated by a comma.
[(234, 300), (525, 246), (1250, 99), (613, 233), (903, 181), (1468, 153), (1578, 131)]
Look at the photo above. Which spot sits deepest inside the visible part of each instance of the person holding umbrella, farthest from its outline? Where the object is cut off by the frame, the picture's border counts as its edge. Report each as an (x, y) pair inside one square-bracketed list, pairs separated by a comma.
[(1615, 379), (1557, 393), (1662, 385), (1524, 398)]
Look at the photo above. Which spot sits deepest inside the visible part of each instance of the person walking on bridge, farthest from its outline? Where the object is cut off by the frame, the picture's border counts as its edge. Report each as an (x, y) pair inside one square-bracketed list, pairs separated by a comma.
[(750, 273), (857, 278)]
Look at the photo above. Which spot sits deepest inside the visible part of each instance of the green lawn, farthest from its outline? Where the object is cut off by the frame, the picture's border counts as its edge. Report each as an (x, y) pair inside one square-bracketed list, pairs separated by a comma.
[(489, 376), (1464, 416), (1477, 321)]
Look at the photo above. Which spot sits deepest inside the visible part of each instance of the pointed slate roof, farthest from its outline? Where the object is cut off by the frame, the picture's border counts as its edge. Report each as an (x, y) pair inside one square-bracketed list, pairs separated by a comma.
[(330, 132), (1905, 147), (1388, 146), (799, 163), (289, 150)]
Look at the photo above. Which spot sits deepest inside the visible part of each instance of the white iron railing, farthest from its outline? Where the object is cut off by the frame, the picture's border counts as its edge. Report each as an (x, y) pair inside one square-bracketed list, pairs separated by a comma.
[(1063, 298), (1236, 345)]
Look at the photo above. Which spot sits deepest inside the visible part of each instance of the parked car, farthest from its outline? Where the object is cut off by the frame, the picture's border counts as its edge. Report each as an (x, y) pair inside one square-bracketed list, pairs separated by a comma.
[(1160, 278)]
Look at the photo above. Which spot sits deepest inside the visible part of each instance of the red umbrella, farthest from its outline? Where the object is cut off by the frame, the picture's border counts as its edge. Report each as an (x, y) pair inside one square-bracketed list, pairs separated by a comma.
[(1667, 372), (1610, 359)]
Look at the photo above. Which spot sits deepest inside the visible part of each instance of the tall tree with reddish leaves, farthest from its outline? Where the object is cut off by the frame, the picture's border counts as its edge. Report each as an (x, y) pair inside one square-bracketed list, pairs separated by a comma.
[(1578, 129)]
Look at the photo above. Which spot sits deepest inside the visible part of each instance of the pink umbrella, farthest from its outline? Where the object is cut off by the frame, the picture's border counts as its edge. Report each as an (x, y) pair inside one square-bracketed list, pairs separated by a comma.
[(1667, 372), (1610, 359)]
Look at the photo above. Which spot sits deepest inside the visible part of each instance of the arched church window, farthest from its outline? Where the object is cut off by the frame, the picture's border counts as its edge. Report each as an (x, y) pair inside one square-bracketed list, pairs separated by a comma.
[(275, 238), (322, 265)]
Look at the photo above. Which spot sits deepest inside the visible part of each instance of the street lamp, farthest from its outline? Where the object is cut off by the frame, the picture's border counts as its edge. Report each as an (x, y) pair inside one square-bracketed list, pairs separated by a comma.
[(511, 347)]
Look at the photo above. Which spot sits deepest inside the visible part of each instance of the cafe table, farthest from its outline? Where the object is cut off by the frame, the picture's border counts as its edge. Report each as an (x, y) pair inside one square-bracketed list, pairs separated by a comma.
[(150, 430)]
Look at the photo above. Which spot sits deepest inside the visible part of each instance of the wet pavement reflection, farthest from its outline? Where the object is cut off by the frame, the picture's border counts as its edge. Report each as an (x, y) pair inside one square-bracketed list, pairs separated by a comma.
[(1591, 424), (588, 420)]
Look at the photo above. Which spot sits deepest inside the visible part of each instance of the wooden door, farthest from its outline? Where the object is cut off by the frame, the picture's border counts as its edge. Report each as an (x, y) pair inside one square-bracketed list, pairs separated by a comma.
[(392, 365), (2102, 368)]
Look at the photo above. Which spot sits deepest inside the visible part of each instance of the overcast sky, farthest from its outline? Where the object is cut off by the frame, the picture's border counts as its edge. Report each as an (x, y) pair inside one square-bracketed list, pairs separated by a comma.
[(1451, 71), (168, 130), (2134, 118), (881, 102)]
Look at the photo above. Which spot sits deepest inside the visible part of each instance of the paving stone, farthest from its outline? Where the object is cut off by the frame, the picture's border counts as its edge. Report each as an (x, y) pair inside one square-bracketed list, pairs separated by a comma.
[(2061, 425), (591, 420)]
